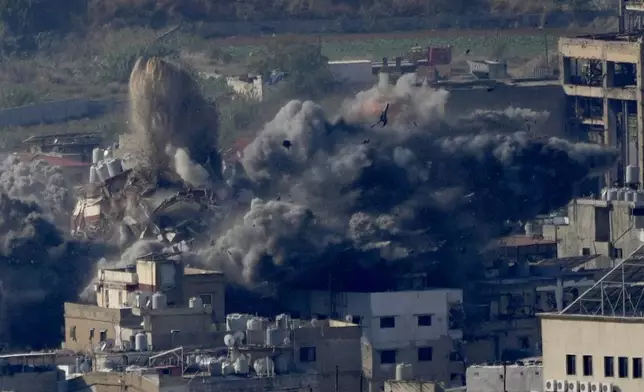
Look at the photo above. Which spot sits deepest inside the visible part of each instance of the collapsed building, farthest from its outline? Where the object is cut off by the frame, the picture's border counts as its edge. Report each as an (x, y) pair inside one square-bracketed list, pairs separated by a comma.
[(126, 205)]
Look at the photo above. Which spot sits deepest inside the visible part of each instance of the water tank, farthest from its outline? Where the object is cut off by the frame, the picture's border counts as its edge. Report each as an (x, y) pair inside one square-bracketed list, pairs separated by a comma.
[(79, 363), (242, 365), (114, 167), (639, 198), (383, 80), (612, 194), (97, 155), (274, 337), (629, 195), (529, 229), (620, 194), (102, 171), (159, 301), (93, 175), (140, 342), (237, 322), (283, 321), (107, 154), (227, 368), (404, 372), (195, 302), (632, 175), (263, 366), (256, 324)]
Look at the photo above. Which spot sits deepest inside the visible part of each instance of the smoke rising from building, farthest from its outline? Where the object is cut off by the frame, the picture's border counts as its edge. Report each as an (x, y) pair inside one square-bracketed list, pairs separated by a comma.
[(39, 269), (424, 187)]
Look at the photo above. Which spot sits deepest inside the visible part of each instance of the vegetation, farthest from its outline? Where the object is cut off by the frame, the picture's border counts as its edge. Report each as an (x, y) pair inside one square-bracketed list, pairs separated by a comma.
[(28, 17)]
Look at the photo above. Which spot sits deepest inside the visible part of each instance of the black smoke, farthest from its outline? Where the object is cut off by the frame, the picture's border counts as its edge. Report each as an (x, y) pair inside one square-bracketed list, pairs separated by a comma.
[(426, 192)]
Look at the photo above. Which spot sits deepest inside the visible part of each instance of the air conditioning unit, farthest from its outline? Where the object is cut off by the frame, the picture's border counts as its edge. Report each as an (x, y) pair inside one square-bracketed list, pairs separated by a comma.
[(607, 387), (550, 386), (562, 386), (595, 387), (584, 386), (573, 386)]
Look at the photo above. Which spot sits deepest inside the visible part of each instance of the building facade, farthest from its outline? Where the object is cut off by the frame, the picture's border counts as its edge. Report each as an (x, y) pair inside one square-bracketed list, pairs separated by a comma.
[(421, 328)]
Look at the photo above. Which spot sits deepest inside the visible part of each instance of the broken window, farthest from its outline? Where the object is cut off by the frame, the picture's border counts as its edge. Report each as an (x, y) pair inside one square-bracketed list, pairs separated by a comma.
[(103, 335), (586, 72), (625, 75), (456, 316)]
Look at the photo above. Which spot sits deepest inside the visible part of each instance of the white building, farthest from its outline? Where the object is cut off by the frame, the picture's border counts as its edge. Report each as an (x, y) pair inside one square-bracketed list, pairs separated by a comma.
[(522, 376), (421, 328)]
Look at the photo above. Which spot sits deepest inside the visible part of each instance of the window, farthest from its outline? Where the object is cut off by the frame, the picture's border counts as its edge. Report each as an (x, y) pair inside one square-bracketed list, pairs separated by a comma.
[(618, 253), (355, 319), (206, 299), (424, 354), (425, 320), (387, 322), (571, 364), (524, 342), (307, 354), (637, 367), (609, 367), (103, 335), (588, 365), (72, 333), (387, 356), (585, 251), (121, 299), (622, 367)]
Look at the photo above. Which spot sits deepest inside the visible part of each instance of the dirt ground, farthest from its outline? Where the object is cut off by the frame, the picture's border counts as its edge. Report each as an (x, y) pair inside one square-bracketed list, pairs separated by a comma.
[(255, 40)]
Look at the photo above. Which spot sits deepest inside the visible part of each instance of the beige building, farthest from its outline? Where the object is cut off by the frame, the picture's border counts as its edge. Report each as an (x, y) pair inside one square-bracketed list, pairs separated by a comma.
[(602, 77), (593, 343), (126, 287)]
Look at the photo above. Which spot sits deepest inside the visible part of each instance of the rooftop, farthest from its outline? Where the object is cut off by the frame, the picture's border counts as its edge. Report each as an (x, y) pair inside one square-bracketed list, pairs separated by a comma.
[(621, 37), (199, 271), (567, 262), (52, 160), (66, 138), (519, 240), (619, 293)]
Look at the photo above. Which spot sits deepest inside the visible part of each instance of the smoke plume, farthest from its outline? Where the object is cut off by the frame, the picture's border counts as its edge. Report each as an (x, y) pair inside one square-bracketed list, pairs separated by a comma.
[(424, 190), (39, 269), (174, 128)]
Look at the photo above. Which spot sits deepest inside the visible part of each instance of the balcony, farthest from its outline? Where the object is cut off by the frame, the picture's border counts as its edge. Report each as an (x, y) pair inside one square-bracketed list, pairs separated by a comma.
[(122, 277)]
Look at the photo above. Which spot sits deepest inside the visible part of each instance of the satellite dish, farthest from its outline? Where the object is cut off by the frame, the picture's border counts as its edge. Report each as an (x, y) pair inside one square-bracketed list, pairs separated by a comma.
[(229, 340), (239, 336)]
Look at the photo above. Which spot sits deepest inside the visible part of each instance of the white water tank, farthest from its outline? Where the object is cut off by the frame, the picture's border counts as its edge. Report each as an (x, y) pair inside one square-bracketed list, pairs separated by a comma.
[(107, 154), (97, 155), (283, 321), (159, 301), (639, 197), (275, 337), (114, 167), (264, 366), (195, 302), (140, 342), (93, 175), (236, 322), (529, 229), (632, 175), (612, 194), (256, 324), (102, 171), (629, 195), (242, 365), (227, 368), (404, 372)]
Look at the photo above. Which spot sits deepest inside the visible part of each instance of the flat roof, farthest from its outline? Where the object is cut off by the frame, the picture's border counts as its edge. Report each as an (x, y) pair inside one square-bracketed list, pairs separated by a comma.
[(613, 36), (28, 355), (350, 62)]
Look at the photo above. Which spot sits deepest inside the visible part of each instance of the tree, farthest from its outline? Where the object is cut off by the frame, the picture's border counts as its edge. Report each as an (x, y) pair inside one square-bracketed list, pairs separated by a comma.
[(36, 16)]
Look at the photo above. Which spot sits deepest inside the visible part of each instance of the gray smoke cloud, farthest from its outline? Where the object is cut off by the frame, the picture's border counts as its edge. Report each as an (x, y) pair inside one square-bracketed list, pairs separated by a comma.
[(39, 268), (425, 188)]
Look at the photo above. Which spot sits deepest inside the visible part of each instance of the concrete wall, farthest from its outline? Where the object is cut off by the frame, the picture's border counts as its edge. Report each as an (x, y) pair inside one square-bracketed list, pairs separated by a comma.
[(199, 283), (411, 386), (31, 382), (598, 337), (514, 378), (337, 355), (86, 317), (598, 227)]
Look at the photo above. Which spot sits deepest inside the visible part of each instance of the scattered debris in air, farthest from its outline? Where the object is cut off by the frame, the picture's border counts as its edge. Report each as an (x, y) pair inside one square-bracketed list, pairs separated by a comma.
[(287, 144), (383, 117)]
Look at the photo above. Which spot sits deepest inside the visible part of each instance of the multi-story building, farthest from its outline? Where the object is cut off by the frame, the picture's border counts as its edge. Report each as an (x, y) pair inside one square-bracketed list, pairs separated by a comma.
[(591, 344), (421, 328)]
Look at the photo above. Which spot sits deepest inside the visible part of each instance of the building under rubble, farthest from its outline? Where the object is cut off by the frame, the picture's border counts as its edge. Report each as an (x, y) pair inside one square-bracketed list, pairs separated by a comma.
[(125, 204)]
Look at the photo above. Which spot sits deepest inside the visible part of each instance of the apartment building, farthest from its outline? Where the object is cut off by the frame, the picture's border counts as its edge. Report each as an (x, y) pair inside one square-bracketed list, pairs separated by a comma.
[(421, 328)]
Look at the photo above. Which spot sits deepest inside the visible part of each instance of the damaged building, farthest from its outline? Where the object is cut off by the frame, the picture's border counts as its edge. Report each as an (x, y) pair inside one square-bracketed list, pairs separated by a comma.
[(125, 204)]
